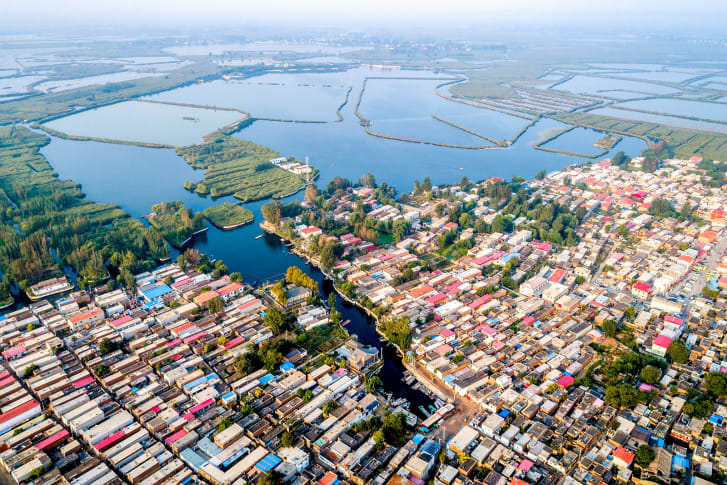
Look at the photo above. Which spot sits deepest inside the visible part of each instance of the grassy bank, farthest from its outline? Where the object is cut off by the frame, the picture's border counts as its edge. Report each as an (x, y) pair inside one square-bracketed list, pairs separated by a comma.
[(53, 105), (46, 223), (685, 142), (239, 168), (176, 223), (228, 215)]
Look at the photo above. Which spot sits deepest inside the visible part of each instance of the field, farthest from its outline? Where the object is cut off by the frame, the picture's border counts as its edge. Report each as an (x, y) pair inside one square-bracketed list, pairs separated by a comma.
[(46, 223), (176, 223), (228, 215), (239, 168), (47, 106), (685, 142)]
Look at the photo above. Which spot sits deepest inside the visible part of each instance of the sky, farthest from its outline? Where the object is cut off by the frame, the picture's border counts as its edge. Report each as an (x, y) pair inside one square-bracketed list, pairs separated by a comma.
[(350, 13)]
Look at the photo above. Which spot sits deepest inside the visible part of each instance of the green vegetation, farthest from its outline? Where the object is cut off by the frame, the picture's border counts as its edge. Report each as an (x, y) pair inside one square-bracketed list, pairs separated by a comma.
[(239, 168), (65, 102), (41, 214), (176, 223), (28, 372), (398, 332), (299, 278), (106, 346), (329, 407), (228, 215), (644, 455), (224, 424), (491, 82), (716, 383), (101, 370), (677, 352), (684, 142)]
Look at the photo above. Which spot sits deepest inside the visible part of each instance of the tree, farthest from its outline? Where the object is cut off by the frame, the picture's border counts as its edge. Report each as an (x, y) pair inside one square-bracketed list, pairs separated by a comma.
[(330, 252), (644, 455), (329, 407), (28, 372), (305, 394), (287, 439), (215, 305), (610, 327), (311, 192), (378, 437), (716, 383), (367, 180), (106, 346), (650, 374), (630, 313), (236, 277), (101, 370), (224, 424), (332, 300), (273, 477), (623, 230), (393, 428), (621, 396), (677, 352), (372, 383), (274, 320)]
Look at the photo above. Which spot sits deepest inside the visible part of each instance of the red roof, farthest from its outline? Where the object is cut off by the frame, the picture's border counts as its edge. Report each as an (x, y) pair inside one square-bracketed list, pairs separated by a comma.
[(109, 440), (121, 321), (557, 276), (175, 436), (52, 440), (202, 405), (233, 342), (328, 478), (641, 286), (480, 301), (17, 411), (83, 382), (624, 455), (85, 315), (566, 381), (663, 341), (311, 230)]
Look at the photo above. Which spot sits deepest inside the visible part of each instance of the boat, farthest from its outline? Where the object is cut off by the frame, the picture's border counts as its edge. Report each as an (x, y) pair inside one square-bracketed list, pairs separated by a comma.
[(432, 408), (439, 403), (259, 236), (345, 322), (254, 283), (282, 239), (424, 411)]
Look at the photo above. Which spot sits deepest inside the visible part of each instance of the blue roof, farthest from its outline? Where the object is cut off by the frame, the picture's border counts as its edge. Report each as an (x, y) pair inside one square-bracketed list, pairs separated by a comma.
[(268, 463), (65, 300), (417, 439), (287, 366), (266, 378), (504, 413), (680, 461), (716, 419), (156, 292), (191, 458)]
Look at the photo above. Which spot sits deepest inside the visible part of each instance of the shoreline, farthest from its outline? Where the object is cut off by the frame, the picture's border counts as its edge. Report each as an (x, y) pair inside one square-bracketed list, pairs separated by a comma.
[(270, 229)]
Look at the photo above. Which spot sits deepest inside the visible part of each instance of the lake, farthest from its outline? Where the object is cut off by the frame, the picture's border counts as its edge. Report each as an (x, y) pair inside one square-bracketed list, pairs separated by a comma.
[(146, 122), (137, 178), (601, 85), (666, 120), (699, 109)]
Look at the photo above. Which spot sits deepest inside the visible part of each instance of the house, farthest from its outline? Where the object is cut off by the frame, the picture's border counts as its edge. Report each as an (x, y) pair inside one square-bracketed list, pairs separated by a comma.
[(660, 345), (534, 286), (87, 318), (310, 231), (622, 457), (641, 290)]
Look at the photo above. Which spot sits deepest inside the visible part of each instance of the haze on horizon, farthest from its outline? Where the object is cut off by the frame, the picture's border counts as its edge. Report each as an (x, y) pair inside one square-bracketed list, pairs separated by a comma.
[(664, 16)]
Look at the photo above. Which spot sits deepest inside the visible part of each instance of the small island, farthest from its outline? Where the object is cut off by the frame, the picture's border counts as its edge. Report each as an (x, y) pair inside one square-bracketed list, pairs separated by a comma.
[(228, 215), (608, 141), (176, 223), (242, 169)]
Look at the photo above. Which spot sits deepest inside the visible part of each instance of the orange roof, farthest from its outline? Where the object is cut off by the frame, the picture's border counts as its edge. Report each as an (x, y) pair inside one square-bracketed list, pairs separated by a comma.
[(422, 290), (229, 288), (206, 296), (87, 314), (624, 455)]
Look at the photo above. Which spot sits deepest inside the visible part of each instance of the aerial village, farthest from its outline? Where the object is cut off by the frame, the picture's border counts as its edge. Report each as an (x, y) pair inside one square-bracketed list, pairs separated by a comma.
[(571, 328)]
